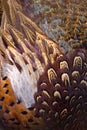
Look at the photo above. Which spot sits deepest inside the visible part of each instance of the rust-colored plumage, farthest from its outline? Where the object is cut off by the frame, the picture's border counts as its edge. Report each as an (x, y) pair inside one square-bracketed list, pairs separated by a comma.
[(40, 88), (13, 113)]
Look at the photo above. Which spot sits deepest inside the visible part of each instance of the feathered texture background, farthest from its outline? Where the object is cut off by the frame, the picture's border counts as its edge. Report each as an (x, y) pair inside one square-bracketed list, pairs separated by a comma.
[(52, 16), (65, 21), (62, 20)]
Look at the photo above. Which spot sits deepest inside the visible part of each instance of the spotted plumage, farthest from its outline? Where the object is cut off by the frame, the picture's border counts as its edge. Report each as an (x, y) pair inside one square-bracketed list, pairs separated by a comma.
[(40, 88), (13, 113)]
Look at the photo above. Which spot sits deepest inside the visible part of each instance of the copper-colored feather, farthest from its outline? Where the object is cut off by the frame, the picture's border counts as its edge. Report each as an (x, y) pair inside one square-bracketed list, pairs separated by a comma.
[(13, 113)]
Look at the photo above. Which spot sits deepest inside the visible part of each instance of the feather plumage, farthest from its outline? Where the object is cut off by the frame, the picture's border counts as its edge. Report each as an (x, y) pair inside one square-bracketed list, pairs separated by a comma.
[(39, 86)]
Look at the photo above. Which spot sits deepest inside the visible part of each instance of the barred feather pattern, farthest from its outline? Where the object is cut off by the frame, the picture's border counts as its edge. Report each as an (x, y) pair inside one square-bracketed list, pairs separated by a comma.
[(28, 51)]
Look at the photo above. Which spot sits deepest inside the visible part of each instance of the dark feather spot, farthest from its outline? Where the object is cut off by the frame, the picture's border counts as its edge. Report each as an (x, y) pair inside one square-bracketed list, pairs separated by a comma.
[(12, 104), (2, 98), (5, 85), (24, 112), (5, 78), (19, 101), (7, 91), (7, 111)]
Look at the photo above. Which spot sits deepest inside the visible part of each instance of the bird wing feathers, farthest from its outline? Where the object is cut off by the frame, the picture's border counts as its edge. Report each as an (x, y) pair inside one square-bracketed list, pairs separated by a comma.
[(27, 51)]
